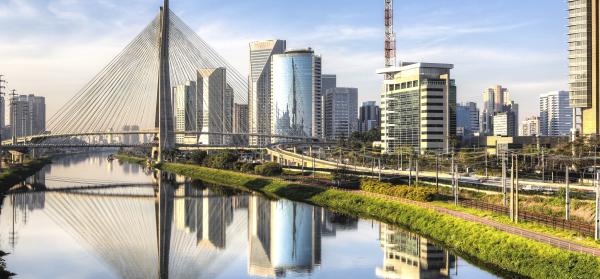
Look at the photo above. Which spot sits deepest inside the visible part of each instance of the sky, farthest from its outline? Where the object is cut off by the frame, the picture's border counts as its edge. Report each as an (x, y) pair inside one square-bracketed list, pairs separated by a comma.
[(53, 48)]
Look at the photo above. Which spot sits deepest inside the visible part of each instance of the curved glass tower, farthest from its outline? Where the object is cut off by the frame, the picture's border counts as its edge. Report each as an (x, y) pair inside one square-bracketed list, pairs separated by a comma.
[(296, 94)]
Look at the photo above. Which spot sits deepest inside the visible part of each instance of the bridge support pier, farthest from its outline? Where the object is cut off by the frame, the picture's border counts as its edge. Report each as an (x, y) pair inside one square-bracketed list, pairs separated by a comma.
[(17, 156)]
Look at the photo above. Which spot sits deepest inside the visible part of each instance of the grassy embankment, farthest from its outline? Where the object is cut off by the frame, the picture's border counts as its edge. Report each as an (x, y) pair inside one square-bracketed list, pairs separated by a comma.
[(499, 250), (11, 176)]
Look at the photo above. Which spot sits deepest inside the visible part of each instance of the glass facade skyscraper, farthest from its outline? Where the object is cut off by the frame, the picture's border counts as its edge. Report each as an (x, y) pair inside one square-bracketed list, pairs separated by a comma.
[(296, 94)]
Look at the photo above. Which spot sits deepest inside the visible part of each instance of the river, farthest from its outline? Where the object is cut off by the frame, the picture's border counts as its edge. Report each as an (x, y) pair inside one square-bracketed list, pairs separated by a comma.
[(86, 217)]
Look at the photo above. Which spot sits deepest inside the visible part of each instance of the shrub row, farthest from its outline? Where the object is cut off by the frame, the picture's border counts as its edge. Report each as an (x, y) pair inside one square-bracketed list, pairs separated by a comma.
[(420, 193)]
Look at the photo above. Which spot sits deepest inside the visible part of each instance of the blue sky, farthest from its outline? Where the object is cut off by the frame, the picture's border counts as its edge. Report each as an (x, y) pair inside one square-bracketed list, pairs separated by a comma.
[(53, 47)]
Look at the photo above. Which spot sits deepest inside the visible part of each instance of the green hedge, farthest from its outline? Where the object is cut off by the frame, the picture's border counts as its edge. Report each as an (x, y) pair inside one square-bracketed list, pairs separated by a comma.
[(503, 251), (421, 193)]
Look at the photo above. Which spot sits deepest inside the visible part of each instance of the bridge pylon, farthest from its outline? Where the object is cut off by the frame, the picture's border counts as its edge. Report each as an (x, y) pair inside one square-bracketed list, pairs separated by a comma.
[(164, 105)]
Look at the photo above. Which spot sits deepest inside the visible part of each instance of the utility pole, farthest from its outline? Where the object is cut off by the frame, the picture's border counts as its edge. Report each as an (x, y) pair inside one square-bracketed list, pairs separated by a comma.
[(567, 198), (486, 165), (517, 189), (456, 186), (417, 170), (504, 179), (13, 103), (437, 171), (410, 170), (597, 228), (512, 189), (379, 166), (543, 167)]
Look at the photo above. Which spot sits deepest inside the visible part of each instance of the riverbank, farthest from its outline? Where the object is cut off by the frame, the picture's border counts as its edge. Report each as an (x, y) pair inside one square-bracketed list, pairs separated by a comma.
[(502, 251), (11, 176)]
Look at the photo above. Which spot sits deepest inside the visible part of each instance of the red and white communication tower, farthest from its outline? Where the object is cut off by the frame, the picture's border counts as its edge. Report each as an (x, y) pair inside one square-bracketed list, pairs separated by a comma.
[(390, 36)]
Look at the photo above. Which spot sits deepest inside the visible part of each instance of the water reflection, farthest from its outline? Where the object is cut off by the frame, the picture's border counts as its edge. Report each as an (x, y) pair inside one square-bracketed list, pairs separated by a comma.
[(179, 228), (408, 255)]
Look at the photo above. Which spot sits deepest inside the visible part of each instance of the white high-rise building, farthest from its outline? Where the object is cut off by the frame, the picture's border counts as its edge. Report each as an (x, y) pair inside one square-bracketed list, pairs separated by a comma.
[(217, 106), (530, 127), (556, 116), (418, 108), (259, 88), (495, 99), (340, 112)]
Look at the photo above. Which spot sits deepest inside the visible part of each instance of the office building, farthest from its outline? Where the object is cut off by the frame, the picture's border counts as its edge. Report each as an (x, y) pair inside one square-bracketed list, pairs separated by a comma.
[(340, 112), (186, 111), (259, 88), (495, 100), (240, 124), (584, 87), (296, 94), (217, 106), (530, 127), (418, 108), (328, 82), (467, 120), (369, 116), (556, 117), (505, 124), (27, 115)]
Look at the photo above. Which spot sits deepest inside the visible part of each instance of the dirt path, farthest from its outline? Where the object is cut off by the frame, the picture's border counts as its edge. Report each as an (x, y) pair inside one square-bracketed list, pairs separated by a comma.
[(554, 241)]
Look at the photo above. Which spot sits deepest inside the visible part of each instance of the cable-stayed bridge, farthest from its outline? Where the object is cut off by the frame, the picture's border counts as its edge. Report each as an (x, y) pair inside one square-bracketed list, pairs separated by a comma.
[(168, 86)]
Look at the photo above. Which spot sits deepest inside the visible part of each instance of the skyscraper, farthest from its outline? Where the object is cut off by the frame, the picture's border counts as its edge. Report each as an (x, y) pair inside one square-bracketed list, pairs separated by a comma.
[(217, 105), (340, 112), (584, 88), (418, 107), (467, 118), (296, 94), (28, 115), (495, 99), (186, 111), (556, 117), (240, 123), (369, 116), (259, 87), (505, 124), (329, 82)]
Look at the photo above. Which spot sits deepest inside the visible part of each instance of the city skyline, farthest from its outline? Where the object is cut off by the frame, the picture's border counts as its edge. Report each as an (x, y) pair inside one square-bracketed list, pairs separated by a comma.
[(343, 37)]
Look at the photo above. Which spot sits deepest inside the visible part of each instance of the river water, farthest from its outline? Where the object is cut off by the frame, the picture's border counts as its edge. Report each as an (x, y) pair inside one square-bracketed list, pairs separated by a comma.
[(85, 217)]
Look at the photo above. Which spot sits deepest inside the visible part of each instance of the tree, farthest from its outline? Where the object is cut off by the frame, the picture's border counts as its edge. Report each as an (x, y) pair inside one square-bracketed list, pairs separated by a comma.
[(222, 160), (269, 169)]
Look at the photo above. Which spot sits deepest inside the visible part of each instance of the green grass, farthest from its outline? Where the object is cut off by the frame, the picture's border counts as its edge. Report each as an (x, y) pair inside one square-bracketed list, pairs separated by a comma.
[(130, 159), (540, 228), (499, 250), (10, 177)]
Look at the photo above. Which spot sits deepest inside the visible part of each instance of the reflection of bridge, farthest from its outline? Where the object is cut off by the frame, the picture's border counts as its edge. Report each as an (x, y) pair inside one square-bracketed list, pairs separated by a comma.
[(181, 229), (134, 95)]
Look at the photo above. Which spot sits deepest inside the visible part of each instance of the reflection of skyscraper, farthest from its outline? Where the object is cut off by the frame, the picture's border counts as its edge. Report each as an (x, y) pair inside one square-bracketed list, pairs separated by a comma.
[(203, 213), (332, 222), (283, 236), (407, 255)]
